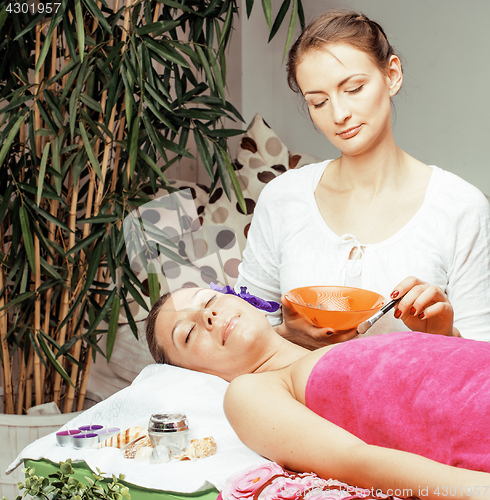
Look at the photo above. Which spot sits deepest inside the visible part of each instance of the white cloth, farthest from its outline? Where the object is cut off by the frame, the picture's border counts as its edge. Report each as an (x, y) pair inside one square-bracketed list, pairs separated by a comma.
[(159, 388), (446, 243)]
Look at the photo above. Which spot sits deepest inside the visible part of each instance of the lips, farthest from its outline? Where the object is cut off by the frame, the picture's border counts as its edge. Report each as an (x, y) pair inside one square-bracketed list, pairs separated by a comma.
[(350, 132), (228, 327)]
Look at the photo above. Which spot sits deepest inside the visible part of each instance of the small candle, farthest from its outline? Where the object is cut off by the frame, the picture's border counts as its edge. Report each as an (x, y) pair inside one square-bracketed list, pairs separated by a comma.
[(65, 438), (90, 428), (107, 432), (87, 440)]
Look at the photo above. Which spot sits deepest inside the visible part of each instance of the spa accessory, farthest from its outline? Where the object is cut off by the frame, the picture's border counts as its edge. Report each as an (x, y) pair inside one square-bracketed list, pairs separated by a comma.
[(263, 305), (85, 440), (169, 429), (123, 438), (91, 428), (366, 325), (65, 438), (334, 307)]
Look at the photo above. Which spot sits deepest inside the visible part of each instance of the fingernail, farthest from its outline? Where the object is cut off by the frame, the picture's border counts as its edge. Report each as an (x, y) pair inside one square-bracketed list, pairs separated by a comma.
[(394, 294), (413, 311), (398, 313), (421, 315)]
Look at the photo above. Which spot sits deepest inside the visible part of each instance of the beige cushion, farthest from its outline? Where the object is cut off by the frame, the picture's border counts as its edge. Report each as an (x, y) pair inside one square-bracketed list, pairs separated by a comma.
[(261, 156)]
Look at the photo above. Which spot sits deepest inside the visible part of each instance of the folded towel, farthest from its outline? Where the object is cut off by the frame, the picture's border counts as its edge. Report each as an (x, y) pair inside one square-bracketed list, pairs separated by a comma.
[(159, 388)]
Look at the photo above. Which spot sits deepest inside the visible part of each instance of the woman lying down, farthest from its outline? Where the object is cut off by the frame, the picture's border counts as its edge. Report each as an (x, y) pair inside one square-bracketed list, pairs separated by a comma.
[(405, 410)]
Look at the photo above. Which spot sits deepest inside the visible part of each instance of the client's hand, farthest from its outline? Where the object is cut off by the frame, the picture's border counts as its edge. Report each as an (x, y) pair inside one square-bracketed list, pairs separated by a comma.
[(298, 330), (425, 307)]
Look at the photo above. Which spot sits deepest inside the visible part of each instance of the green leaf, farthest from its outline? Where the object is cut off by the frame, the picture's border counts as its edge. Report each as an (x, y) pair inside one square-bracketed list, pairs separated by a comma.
[(90, 152), (52, 359), (102, 314), (177, 5), (3, 16), (153, 284), (225, 132), (91, 103), (27, 234), (10, 138), (86, 242), (167, 52), (292, 25), (46, 43), (98, 14), (267, 8), (279, 18), (16, 102), (220, 156), (217, 75), (158, 28), (113, 324), (54, 107), (80, 29), (133, 148), (42, 172), (207, 68), (204, 152), (226, 26), (134, 293), (250, 4), (235, 184)]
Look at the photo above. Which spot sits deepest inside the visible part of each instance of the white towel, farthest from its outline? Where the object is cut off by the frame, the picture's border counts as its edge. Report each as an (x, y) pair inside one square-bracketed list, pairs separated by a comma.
[(159, 388)]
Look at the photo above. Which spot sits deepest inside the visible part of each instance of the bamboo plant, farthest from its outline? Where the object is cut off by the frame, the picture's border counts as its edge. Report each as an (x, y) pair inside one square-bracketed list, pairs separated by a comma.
[(96, 102)]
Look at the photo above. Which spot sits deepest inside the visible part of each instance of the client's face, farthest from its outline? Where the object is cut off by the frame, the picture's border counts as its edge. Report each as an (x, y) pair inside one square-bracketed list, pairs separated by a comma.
[(212, 332)]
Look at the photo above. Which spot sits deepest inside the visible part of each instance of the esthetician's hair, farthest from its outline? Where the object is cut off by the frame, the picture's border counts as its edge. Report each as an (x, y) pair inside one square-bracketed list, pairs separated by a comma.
[(156, 349), (339, 26)]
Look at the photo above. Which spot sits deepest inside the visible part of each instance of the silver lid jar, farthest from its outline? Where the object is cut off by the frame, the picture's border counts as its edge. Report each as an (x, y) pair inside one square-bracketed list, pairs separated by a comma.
[(170, 430)]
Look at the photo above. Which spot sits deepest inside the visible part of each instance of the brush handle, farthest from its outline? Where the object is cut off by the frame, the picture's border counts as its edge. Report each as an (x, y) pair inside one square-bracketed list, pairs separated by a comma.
[(389, 306)]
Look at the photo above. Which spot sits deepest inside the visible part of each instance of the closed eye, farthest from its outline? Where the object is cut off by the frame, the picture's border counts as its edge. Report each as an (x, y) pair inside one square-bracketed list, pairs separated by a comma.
[(320, 104), (189, 334), (355, 91), (210, 300)]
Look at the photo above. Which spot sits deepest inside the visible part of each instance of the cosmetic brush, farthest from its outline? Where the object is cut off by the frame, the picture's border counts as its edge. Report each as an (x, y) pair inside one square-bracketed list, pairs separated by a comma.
[(366, 325)]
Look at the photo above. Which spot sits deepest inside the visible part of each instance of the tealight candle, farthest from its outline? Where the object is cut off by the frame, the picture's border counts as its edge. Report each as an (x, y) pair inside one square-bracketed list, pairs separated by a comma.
[(87, 440), (107, 432), (65, 438), (91, 428)]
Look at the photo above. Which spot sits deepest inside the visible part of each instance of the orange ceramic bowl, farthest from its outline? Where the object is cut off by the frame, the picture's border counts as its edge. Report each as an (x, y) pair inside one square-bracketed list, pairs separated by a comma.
[(336, 307)]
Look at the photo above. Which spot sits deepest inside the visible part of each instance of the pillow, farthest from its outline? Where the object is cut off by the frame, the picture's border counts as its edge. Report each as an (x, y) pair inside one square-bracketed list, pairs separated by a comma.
[(261, 156)]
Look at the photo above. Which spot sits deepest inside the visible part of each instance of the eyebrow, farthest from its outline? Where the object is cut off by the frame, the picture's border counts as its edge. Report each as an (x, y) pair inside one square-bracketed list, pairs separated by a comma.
[(345, 80), (180, 320)]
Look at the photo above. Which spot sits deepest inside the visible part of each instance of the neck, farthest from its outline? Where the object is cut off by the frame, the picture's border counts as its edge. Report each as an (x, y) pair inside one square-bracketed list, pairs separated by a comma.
[(374, 170), (282, 354)]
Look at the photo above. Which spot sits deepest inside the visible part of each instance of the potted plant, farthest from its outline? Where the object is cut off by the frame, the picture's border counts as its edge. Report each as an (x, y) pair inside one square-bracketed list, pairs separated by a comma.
[(64, 485), (96, 102)]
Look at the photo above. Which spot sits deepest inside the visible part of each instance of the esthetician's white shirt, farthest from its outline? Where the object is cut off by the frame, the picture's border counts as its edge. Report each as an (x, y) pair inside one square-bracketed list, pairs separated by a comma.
[(446, 243)]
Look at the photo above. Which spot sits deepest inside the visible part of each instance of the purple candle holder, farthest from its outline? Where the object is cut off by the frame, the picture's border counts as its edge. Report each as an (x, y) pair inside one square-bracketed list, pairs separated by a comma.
[(107, 432), (65, 438), (91, 428), (85, 440)]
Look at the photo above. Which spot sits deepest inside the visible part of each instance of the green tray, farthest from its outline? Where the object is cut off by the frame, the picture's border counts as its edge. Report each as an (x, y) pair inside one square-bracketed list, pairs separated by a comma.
[(45, 467)]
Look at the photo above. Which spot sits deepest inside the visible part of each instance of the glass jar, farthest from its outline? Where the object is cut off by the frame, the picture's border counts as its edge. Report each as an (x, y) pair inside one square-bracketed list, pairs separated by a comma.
[(170, 430)]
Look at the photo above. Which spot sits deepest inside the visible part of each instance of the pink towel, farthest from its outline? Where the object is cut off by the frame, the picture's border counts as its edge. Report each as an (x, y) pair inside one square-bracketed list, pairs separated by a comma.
[(411, 391)]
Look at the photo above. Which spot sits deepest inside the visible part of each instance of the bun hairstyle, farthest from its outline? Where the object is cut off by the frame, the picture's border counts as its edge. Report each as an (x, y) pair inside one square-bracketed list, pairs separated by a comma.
[(352, 28)]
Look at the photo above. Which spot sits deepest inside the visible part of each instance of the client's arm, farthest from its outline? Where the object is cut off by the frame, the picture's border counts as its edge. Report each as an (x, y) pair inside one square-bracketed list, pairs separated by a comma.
[(270, 421)]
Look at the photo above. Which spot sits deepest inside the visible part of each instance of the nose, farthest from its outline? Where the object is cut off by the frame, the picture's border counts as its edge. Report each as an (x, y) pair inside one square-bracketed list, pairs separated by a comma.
[(340, 111), (209, 318)]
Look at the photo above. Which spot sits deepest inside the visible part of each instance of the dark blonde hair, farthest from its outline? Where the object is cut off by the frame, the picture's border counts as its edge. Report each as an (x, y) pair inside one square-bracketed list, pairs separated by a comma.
[(352, 28), (156, 349)]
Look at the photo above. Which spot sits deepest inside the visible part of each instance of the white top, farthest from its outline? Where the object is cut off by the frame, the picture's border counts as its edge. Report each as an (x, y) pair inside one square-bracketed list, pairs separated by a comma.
[(446, 243)]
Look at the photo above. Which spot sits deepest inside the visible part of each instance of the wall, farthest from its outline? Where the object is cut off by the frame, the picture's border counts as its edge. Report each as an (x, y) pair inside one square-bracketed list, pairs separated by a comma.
[(443, 111)]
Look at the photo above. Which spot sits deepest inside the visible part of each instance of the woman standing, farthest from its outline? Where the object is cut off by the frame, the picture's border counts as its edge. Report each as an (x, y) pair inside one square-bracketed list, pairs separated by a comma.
[(375, 216)]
